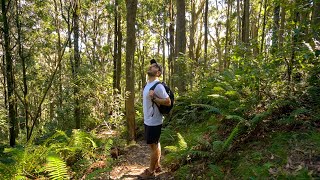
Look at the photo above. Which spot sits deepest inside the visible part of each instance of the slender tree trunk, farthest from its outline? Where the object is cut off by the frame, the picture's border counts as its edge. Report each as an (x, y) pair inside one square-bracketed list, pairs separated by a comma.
[(281, 30), (245, 23), (180, 48), (115, 47), (192, 30), (239, 21), (171, 44), (263, 25), (275, 28), (131, 6), (316, 25), (164, 45), (4, 72), (119, 62), (316, 20), (206, 33), (77, 110), (22, 58), (10, 75), (226, 48)]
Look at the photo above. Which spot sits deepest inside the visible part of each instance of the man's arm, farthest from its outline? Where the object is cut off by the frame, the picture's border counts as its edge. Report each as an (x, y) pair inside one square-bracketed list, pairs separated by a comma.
[(165, 102)]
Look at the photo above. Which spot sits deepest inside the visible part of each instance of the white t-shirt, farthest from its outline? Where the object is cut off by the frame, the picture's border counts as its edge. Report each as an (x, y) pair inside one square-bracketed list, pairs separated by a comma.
[(152, 116)]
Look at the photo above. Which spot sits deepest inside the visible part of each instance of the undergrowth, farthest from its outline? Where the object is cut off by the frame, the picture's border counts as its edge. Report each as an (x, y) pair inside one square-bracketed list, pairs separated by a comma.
[(228, 129)]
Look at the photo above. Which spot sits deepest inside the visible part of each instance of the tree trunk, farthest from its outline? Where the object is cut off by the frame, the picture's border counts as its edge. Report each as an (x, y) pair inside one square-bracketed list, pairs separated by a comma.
[(275, 28), (316, 25), (119, 62), (171, 43), (131, 6), (77, 110), (316, 20), (281, 30), (10, 75), (245, 23), (115, 46), (192, 30), (206, 33), (22, 58), (164, 76), (180, 48), (226, 48), (263, 25), (239, 21)]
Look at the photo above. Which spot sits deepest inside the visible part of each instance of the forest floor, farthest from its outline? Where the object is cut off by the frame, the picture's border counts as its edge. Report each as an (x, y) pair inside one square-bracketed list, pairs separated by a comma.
[(134, 161), (131, 161)]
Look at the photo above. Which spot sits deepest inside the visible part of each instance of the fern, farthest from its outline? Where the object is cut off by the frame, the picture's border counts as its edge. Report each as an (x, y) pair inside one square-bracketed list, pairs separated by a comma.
[(57, 168), (232, 136), (235, 117), (182, 144), (209, 108)]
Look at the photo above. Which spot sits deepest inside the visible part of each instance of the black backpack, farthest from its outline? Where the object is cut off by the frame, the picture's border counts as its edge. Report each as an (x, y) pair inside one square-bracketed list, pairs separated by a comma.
[(165, 109)]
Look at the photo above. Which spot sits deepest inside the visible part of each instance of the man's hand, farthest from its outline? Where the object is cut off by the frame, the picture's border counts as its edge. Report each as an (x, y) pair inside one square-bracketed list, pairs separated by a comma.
[(151, 94)]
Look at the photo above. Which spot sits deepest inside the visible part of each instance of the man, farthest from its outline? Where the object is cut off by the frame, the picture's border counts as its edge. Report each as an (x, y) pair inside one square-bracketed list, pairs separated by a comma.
[(153, 119)]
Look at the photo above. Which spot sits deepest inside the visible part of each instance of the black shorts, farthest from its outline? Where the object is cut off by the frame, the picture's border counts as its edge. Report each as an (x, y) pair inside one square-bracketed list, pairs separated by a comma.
[(152, 134)]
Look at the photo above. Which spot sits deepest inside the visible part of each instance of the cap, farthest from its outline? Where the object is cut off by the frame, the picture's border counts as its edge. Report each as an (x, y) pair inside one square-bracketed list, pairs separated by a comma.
[(153, 61)]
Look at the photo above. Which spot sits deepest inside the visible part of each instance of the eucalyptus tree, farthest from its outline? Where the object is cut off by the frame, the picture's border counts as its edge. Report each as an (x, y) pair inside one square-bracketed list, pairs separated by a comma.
[(171, 44), (206, 32), (316, 21), (275, 28), (131, 6), (9, 72), (180, 47), (245, 22), (77, 110)]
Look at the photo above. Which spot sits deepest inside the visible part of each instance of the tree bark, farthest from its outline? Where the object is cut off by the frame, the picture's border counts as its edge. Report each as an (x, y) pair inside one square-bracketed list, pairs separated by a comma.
[(239, 21), (171, 43), (180, 48), (119, 62), (226, 47), (10, 75), (77, 111), (275, 28), (22, 58), (206, 33), (316, 21), (263, 25), (245, 22), (115, 46), (131, 6), (282, 22)]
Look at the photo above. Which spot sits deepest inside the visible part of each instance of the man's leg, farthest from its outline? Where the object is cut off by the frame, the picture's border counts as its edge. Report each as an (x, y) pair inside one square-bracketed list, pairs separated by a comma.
[(155, 156), (159, 149)]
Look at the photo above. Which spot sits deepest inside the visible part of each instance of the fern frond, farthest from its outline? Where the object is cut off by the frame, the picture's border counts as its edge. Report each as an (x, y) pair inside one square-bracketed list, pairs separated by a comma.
[(171, 148), (182, 144), (57, 168), (232, 136), (218, 96), (235, 117), (209, 108)]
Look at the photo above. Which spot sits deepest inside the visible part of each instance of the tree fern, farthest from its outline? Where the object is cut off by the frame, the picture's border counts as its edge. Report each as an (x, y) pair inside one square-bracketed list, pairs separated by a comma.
[(57, 168)]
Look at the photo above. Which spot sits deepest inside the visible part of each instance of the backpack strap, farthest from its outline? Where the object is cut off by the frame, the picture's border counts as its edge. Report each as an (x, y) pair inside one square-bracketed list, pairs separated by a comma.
[(155, 85), (152, 88)]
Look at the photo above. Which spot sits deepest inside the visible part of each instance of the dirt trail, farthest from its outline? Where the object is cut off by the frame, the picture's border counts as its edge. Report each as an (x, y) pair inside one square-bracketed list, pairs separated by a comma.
[(133, 162)]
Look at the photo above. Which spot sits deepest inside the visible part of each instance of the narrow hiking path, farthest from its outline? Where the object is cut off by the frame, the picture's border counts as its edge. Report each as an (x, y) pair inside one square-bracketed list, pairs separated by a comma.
[(134, 160)]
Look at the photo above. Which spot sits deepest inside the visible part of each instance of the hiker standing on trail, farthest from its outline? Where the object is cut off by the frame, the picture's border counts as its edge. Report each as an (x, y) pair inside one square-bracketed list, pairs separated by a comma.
[(153, 119)]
